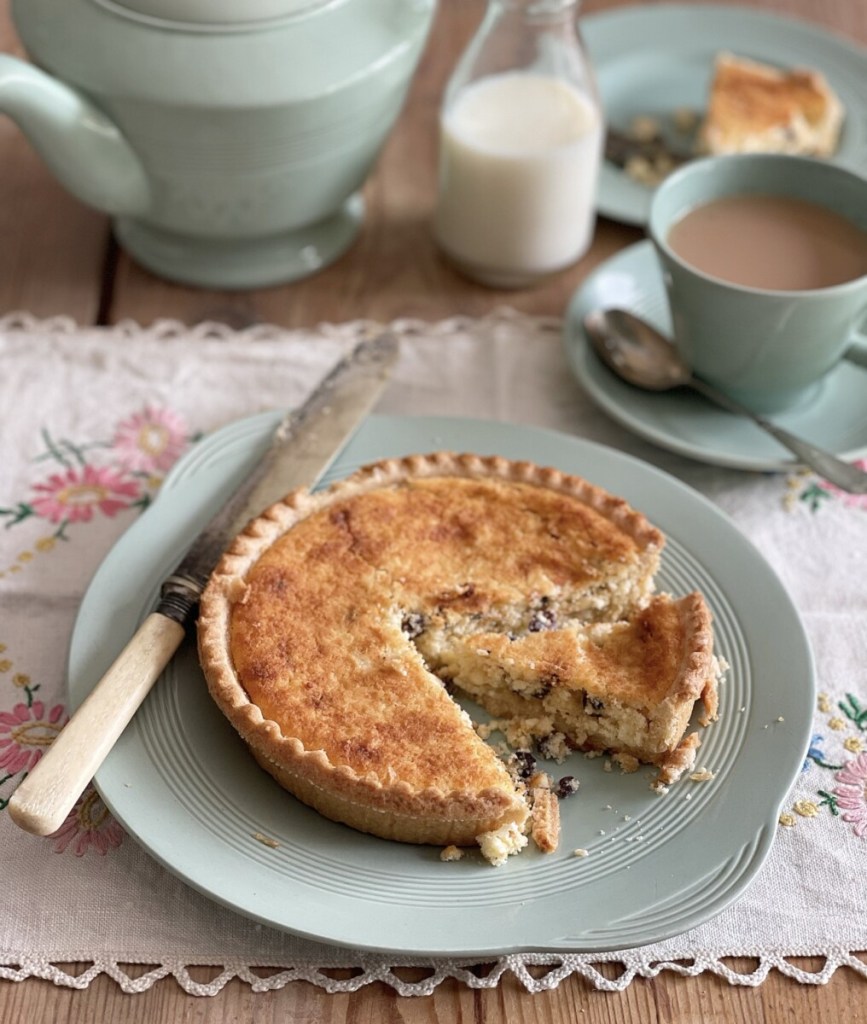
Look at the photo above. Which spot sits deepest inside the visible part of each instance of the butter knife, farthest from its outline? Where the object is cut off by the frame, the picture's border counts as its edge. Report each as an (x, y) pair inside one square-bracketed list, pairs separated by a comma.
[(302, 447)]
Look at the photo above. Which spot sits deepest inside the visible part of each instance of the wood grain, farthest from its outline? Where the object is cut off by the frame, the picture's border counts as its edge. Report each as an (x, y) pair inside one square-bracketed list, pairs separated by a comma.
[(52, 247), (56, 258)]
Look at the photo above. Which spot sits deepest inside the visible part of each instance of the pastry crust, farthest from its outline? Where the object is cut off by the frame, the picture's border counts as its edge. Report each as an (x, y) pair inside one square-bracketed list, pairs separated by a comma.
[(311, 628)]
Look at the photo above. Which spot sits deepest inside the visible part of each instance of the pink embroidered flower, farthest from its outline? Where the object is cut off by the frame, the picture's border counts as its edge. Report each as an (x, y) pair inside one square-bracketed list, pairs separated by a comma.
[(25, 732), (150, 440), (853, 500), (852, 793), (72, 496), (88, 826)]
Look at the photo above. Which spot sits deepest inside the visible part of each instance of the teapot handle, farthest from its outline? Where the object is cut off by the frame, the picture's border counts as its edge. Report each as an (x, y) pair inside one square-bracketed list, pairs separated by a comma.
[(857, 350), (83, 147)]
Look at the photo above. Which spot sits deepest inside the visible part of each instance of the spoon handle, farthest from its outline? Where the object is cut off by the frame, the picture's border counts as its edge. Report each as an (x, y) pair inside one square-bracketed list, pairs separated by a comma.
[(842, 474)]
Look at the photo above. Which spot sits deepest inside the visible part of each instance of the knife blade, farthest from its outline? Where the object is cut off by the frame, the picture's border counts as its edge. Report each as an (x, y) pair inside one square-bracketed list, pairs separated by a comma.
[(302, 448)]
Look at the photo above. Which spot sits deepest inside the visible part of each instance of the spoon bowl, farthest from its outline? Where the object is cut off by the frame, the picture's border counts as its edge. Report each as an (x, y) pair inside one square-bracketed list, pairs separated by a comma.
[(645, 358), (635, 351)]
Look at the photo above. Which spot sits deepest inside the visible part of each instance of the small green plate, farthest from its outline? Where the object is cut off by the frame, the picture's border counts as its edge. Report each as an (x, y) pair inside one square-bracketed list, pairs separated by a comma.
[(654, 60), (184, 786), (835, 417)]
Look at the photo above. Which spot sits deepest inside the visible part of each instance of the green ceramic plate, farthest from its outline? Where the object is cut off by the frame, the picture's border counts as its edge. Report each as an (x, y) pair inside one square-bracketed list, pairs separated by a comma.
[(653, 60), (184, 786), (835, 417)]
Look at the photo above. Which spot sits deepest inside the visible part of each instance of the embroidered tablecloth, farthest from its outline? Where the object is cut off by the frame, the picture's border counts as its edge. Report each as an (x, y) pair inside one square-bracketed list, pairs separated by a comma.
[(91, 421)]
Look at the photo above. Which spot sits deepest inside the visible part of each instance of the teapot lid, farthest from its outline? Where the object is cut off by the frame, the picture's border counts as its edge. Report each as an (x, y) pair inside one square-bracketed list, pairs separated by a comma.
[(215, 13)]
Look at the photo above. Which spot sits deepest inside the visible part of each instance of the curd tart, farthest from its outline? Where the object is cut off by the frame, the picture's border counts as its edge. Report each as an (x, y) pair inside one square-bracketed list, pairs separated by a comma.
[(337, 626)]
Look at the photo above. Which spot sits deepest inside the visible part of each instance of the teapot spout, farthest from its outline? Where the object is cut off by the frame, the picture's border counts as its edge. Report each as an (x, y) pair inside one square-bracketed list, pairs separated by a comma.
[(82, 147)]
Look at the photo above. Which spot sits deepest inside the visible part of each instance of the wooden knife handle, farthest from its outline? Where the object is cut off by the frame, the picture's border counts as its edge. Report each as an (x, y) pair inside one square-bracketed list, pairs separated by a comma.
[(44, 799)]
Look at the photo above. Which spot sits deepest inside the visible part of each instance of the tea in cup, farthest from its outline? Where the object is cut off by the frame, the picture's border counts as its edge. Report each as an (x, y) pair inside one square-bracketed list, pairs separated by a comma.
[(764, 259)]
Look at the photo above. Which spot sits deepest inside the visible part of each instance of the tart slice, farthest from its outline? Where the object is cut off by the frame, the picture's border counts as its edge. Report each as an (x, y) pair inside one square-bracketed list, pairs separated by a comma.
[(756, 108), (325, 630), (628, 687)]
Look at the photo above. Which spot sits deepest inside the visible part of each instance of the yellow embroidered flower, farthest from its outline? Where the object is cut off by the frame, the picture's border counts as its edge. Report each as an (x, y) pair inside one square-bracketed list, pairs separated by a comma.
[(853, 744), (837, 724), (20, 679), (25, 556), (46, 543), (806, 808), (5, 665), (788, 820), (823, 702)]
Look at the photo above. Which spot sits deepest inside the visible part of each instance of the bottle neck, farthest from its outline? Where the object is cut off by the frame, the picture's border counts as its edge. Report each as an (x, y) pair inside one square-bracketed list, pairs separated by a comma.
[(537, 14), (538, 8)]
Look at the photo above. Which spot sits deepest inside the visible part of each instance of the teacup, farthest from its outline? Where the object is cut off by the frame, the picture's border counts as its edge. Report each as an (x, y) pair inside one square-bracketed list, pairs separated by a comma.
[(767, 347)]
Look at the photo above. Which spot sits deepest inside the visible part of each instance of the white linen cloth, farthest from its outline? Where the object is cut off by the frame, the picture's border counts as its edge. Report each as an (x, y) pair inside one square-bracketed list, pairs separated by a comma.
[(91, 420)]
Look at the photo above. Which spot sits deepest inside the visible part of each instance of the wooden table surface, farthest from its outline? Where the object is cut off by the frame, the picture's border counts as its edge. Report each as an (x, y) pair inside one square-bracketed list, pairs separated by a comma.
[(58, 258)]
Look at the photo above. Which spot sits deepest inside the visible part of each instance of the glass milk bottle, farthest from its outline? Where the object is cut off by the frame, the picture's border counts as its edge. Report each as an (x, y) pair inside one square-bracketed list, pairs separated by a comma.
[(520, 145)]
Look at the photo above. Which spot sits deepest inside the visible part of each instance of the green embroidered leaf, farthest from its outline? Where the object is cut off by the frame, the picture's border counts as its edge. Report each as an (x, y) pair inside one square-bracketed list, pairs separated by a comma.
[(830, 801), (814, 495), (824, 764), (18, 514), (854, 711), (67, 452)]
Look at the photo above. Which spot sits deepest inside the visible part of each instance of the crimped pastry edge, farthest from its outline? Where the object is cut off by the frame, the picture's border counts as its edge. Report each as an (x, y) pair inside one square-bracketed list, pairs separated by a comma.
[(399, 810), (698, 678)]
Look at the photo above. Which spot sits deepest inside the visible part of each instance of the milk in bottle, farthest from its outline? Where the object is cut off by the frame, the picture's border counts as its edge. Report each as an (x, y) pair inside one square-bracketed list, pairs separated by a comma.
[(520, 147)]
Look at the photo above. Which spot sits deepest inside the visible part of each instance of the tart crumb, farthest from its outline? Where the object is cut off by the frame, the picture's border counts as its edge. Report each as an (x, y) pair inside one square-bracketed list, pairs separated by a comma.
[(628, 764), (644, 127), (450, 853), (265, 840), (580, 852), (702, 775), (545, 823), (685, 119), (567, 786), (501, 843)]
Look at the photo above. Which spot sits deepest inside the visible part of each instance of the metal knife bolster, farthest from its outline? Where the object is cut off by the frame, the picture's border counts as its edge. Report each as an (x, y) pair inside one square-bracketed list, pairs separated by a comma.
[(302, 447), (179, 596)]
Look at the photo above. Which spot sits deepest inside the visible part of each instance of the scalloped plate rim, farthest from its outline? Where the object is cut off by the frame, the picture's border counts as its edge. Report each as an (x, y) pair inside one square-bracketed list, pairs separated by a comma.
[(390, 435)]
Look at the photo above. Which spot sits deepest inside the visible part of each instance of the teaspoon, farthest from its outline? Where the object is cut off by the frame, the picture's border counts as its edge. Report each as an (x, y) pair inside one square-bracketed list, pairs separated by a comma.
[(643, 357)]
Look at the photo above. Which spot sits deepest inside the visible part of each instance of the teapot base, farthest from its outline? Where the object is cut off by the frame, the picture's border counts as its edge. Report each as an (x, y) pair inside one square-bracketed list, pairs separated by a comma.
[(242, 263)]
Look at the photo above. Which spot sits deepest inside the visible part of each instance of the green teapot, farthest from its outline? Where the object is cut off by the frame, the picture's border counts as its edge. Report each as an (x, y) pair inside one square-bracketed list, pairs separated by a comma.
[(228, 140)]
